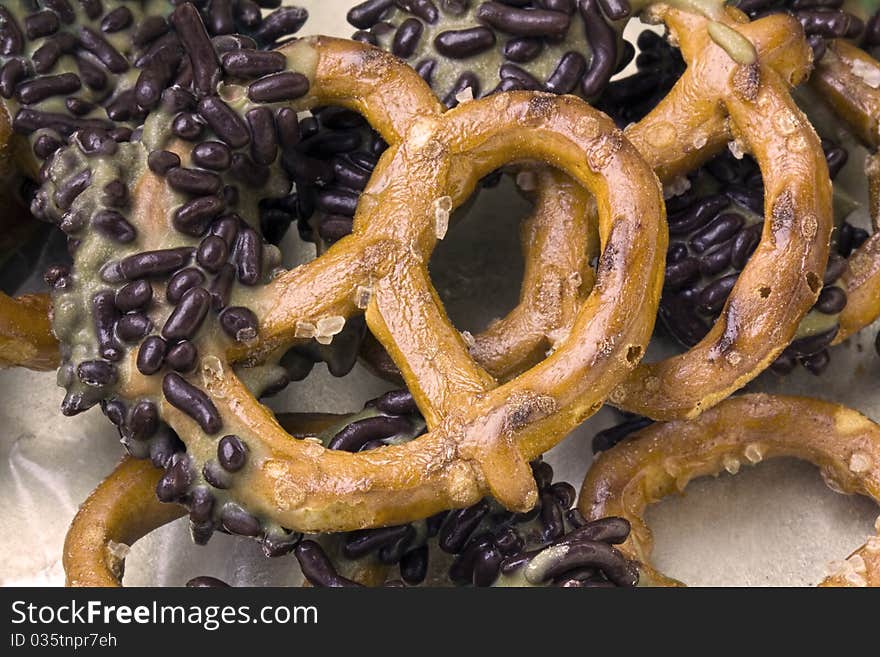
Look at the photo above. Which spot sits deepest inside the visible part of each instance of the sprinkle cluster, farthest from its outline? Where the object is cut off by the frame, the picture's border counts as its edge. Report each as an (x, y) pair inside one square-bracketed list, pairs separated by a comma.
[(484, 545), (560, 46)]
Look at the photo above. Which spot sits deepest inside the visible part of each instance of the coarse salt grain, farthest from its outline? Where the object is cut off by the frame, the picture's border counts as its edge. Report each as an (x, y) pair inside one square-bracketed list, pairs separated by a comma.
[(860, 462), (867, 72), (858, 563), (731, 464), (118, 550), (465, 95), (736, 148), (362, 296), (304, 330), (442, 208), (855, 579), (753, 453), (676, 187), (327, 327)]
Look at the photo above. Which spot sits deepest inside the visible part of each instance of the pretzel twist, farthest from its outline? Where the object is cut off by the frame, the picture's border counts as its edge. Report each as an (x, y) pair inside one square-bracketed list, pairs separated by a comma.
[(662, 458), (119, 512)]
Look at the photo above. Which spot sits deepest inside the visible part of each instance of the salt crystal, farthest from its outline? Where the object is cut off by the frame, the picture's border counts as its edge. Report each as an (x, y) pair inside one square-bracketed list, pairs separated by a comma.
[(527, 181), (304, 330), (465, 95), (362, 296), (443, 203), (676, 187), (442, 208), (731, 464), (753, 453), (860, 462), (868, 72), (468, 338), (118, 550), (327, 327), (858, 563), (855, 579), (736, 148)]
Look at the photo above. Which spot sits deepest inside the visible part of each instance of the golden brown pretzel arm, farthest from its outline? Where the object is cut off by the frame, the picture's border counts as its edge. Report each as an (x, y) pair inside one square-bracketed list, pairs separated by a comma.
[(840, 79), (783, 277), (121, 510), (662, 458)]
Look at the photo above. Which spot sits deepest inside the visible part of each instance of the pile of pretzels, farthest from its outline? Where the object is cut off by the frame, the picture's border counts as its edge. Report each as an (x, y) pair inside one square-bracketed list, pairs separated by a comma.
[(174, 142)]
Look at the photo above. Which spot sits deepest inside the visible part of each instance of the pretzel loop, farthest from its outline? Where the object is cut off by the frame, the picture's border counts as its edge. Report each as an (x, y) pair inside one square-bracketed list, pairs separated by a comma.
[(783, 277), (664, 457)]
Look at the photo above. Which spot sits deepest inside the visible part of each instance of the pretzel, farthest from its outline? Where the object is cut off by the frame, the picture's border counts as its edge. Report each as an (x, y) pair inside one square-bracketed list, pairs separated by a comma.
[(481, 436), (662, 458), (121, 510), (551, 545), (465, 50), (846, 78), (482, 545)]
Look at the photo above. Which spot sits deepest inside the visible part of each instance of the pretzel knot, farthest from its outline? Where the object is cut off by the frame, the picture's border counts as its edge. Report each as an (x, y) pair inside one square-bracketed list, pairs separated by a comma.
[(481, 435)]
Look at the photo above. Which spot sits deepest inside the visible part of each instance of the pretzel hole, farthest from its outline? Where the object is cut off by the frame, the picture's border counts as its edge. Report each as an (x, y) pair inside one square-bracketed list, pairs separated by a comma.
[(774, 524), (477, 267)]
